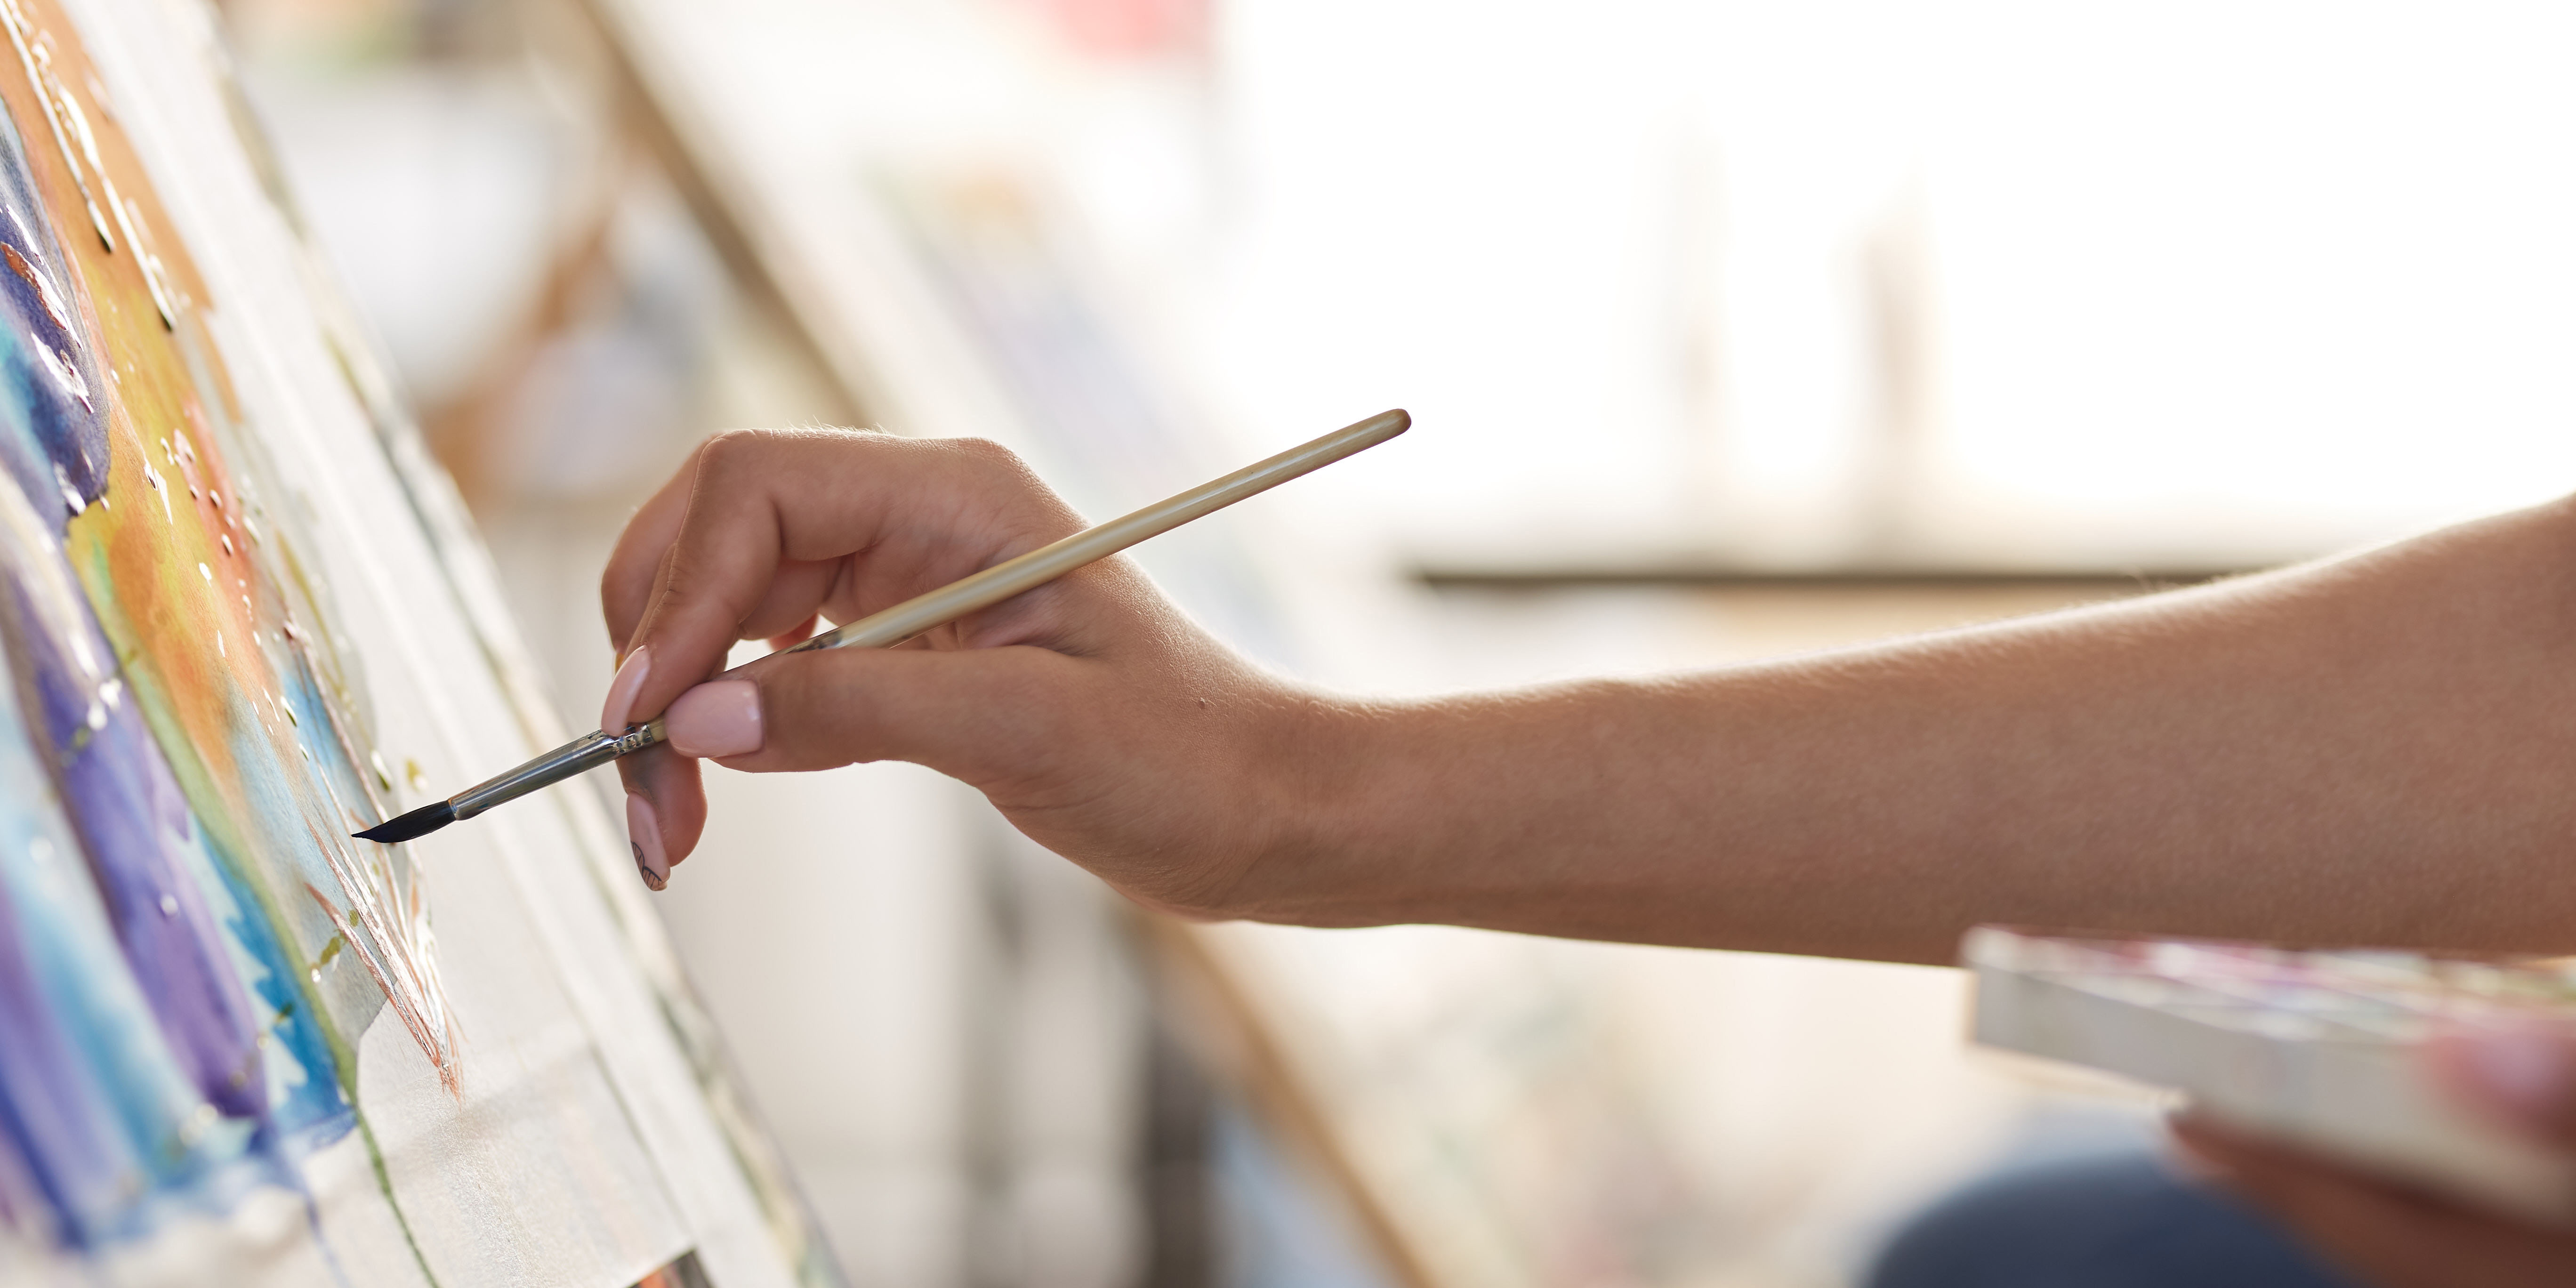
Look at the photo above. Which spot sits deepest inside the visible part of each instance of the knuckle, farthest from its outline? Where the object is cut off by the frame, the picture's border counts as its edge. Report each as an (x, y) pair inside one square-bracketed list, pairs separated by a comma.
[(728, 451), (686, 584), (1017, 495), (688, 591), (984, 450), (992, 461)]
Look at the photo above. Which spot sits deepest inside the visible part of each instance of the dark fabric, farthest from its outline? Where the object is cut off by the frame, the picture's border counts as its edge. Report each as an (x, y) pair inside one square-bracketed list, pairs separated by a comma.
[(2124, 1221)]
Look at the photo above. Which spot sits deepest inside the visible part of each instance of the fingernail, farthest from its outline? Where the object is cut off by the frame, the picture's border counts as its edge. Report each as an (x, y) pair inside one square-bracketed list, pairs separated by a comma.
[(644, 836), (622, 691), (2524, 1070), (717, 718)]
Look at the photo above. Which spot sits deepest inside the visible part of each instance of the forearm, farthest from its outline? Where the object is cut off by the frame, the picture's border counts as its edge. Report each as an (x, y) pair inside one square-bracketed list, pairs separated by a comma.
[(2379, 749)]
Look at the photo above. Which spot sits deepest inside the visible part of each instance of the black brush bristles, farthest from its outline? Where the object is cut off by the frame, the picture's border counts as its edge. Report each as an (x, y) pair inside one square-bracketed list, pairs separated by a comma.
[(420, 822)]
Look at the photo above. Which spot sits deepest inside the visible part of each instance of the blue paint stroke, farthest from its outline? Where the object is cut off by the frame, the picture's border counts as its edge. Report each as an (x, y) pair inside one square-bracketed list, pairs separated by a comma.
[(158, 1051), (100, 1117), (55, 388)]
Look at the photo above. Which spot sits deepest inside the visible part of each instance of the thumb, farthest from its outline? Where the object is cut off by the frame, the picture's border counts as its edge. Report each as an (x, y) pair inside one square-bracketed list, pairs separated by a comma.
[(981, 715), (2518, 1069)]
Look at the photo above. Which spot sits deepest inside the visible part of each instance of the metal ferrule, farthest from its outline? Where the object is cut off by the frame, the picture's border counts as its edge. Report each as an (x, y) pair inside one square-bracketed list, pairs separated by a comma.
[(576, 757)]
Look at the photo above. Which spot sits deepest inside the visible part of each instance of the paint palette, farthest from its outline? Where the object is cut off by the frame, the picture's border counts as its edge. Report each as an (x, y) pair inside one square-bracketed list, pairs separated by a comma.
[(2318, 1048)]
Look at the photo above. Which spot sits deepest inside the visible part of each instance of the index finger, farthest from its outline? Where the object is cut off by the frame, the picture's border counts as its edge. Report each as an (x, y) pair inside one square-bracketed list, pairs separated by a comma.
[(626, 585)]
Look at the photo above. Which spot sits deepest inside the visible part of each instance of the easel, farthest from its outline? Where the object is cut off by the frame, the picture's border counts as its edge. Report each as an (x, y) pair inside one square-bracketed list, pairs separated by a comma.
[(651, 118), (1215, 1010)]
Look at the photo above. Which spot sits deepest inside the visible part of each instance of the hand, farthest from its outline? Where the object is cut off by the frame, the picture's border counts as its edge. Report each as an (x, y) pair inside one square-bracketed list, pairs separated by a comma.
[(2522, 1076), (1096, 716)]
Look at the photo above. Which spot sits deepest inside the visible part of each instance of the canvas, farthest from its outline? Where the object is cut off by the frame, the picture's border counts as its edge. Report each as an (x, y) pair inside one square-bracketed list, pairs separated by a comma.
[(242, 618)]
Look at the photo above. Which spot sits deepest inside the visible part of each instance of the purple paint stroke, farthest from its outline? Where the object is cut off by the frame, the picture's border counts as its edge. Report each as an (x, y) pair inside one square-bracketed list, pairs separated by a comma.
[(131, 816)]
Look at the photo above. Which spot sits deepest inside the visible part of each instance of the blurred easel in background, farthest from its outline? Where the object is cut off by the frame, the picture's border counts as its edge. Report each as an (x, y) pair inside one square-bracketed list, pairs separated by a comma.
[(776, 239)]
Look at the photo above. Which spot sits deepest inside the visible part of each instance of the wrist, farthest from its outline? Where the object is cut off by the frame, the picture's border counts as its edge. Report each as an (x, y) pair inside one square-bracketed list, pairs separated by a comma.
[(1322, 765)]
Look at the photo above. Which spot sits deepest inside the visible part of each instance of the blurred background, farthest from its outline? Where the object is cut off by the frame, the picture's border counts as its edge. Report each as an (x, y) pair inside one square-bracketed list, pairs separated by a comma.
[(1730, 329)]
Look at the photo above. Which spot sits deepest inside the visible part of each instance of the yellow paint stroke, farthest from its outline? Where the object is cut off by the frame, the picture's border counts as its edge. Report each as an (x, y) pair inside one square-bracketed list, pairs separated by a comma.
[(175, 583)]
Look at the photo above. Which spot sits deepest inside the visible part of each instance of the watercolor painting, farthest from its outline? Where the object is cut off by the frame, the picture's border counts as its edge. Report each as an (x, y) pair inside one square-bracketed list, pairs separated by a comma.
[(195, 955)]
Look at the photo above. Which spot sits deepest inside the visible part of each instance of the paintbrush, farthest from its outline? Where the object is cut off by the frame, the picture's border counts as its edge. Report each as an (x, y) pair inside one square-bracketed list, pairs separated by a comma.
[(922, 612)]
